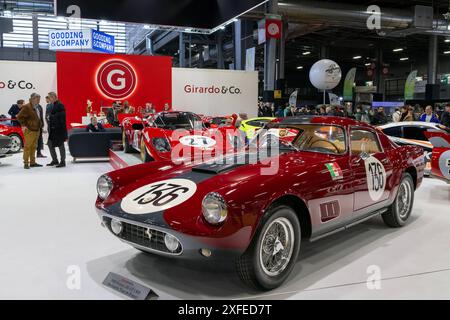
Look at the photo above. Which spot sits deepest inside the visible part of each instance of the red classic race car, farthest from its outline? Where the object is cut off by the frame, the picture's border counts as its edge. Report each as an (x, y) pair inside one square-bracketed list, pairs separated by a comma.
[(15, 133), (255, 207), (440, 161), (156, 137)]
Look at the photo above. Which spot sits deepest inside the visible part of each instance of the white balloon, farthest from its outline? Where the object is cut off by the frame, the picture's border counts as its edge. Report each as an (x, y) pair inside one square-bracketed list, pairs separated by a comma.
[(325, 74)]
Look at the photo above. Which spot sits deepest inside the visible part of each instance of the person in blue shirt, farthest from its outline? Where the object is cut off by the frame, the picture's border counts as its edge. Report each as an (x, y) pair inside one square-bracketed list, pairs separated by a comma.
[(429, 116), (14, 111)]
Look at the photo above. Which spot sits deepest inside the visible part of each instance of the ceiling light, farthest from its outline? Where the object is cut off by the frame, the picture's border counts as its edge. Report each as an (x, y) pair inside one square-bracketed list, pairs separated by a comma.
[(357, 57), (404, 59), (306, 53), (299, 67), (446, 52), (398, 50), (368, 64), (447, 40)]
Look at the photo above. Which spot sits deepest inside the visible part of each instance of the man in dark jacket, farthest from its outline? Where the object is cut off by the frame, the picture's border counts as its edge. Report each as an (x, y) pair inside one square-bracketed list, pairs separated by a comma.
[(445, 119), (14, 111), (379, 118), (95, 126), (40, 144), (57, 131), (31, 124)]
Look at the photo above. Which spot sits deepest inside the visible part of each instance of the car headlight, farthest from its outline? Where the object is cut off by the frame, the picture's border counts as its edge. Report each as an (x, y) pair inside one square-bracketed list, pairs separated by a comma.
[(161, 144), (214, 208), (104, 187)]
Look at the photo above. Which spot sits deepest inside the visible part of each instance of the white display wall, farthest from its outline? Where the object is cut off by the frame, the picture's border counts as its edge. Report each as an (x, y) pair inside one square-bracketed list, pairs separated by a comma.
[(215, 92), (202, 91), (19, 79)]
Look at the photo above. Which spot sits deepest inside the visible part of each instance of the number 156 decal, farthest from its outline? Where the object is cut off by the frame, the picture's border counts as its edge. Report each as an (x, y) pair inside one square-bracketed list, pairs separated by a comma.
[(376, 178), (158, 196)]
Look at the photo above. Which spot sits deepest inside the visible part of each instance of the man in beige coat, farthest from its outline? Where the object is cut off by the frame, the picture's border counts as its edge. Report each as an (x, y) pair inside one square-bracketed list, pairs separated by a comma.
[(31, 126)]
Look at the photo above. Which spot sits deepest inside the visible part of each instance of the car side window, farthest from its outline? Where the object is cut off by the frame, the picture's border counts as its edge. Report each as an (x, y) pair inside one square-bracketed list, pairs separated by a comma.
[(364, 141), (415, 133), (393, 132)]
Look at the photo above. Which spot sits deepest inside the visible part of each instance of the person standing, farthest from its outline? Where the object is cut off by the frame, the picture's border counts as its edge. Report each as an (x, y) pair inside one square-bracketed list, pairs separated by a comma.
[(407, 114), (31, 126), (40, 144), (57, 132), (167, 108), (445, 123), (429, 116), (397, 116), (379, 118), (14, 111), (48, 110)]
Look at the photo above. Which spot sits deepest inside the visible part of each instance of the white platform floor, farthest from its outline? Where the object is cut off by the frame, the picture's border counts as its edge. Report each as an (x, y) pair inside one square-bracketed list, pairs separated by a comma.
[(48, 224)]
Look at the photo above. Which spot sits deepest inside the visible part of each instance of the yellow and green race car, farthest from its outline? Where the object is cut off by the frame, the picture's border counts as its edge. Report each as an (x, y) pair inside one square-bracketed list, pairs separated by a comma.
[(252, 126)]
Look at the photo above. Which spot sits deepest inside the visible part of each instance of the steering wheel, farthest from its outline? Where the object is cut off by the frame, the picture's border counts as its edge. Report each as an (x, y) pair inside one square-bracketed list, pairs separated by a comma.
[(329, 142)]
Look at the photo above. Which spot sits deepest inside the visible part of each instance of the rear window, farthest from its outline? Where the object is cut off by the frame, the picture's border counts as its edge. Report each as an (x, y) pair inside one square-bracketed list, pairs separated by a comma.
[(415, 133)]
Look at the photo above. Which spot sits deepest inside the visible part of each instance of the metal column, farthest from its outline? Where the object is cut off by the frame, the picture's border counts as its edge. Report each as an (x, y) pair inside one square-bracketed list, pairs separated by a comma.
[(35, 38), (182, 53), (281, 65), (379, 75), (270, 56), (432, 59), (220, 61), (238, 57)]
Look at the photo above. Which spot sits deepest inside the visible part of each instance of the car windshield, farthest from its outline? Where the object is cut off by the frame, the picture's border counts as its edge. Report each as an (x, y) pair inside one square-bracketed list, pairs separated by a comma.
[(177, 120), (327, 139)]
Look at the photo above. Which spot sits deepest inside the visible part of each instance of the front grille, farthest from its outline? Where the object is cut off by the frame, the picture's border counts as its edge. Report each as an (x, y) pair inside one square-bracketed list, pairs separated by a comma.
[(146, 237)]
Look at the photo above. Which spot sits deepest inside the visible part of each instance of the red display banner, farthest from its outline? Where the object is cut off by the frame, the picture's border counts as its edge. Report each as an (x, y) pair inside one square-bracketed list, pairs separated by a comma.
[(104, 79)]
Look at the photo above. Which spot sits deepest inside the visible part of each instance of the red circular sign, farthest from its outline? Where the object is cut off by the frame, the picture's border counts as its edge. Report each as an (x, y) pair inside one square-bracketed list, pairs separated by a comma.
[(116, 79)]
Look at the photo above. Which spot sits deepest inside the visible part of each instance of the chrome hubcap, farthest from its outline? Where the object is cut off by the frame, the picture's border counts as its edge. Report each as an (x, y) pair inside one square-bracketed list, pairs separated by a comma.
[(277, 247), (15, 144), (404, 200)]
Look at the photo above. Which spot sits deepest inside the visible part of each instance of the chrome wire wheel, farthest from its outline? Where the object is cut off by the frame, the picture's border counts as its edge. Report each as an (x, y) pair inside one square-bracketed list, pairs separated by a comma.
[(403, 201), (16, 144), (277, 246)]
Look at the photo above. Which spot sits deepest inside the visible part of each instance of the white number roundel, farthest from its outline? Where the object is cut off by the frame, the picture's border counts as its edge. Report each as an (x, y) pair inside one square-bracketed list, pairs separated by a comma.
[(376, 178), (198, 141), (444, 164), (158, 196)]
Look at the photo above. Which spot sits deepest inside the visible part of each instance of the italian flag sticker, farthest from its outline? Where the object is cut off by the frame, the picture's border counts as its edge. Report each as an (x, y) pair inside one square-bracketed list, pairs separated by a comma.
[(335, 171)]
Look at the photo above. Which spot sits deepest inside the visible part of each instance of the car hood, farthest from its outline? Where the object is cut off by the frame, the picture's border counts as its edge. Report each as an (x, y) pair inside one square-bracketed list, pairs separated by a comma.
[(238, 183)]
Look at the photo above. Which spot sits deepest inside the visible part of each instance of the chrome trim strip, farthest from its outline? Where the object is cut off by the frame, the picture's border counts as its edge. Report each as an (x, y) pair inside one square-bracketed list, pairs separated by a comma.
[(143, 225)]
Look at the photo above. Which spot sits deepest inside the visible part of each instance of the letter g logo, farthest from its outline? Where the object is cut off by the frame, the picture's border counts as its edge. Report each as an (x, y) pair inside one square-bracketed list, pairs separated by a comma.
[(121, 81), (116, 79)]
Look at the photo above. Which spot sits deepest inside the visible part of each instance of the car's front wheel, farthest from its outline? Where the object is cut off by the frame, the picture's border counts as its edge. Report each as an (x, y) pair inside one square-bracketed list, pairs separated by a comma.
[(126, 144), (145, 157), (400, 211), (274, 250), (16, 143)]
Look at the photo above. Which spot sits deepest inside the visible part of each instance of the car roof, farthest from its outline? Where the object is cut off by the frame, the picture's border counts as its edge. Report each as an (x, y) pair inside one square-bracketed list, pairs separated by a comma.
[(409, 123)]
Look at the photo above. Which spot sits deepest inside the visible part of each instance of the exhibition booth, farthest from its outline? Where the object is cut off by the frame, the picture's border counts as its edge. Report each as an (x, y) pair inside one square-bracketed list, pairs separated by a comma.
[(105, 78)]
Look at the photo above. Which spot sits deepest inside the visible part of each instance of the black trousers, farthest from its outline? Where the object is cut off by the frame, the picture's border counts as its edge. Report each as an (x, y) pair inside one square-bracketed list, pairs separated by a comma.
[(40, 144), (62, 151)]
